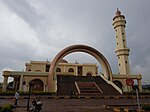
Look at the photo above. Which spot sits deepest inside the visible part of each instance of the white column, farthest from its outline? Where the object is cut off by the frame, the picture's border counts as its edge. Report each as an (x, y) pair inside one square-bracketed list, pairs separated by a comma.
[(139, 85), (125, 88), (64, 70), (5, 83), (21, 82), (14, 83), (27, 88), (24, 88), (76, 71)]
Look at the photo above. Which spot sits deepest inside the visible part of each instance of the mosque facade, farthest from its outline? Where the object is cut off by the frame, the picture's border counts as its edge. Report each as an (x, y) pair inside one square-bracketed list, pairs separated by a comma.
[(44, 73)]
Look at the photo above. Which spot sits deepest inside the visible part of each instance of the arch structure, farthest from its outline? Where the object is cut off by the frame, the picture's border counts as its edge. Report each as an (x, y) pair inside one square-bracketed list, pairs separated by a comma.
[(106, 69)]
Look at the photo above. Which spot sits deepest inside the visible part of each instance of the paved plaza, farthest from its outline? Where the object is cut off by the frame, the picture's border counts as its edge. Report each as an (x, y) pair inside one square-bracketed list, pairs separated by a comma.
[(75, 105)]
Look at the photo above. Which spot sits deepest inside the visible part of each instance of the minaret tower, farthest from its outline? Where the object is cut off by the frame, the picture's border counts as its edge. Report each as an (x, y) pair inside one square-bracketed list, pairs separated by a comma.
[(122, 51)]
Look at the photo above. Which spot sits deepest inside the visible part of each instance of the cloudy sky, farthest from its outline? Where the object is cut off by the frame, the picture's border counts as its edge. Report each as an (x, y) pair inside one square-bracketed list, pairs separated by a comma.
[(39, 29)]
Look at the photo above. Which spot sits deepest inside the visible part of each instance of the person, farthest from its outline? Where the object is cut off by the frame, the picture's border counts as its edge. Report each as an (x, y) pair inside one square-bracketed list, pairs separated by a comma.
[(16, 97)]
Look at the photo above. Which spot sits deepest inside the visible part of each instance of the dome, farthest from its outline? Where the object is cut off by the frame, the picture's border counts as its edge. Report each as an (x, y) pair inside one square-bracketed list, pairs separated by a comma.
[(63, 61)]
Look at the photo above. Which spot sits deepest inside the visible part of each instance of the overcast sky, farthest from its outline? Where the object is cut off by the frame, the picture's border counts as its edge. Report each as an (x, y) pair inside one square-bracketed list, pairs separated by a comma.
[(39, 29)]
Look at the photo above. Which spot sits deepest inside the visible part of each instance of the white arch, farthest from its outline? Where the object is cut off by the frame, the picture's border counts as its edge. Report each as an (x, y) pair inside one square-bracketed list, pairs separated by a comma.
[(106, 70)]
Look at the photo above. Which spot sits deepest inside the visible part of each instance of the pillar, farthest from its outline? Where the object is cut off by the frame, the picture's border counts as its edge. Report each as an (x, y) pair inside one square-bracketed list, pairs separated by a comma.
[(139, 85), (45, 88), (21, 83), (76, 71), (27, 88), (5, 83), (14, 83)]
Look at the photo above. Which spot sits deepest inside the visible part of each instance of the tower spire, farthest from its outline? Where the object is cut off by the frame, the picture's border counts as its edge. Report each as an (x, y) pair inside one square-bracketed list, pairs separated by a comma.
[(122, 51), (118, 12)]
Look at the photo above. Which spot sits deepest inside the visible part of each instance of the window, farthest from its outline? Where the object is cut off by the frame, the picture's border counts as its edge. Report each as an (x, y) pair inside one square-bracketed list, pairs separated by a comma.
[(58, 70), (38, 85), (122, 33), (47, 67), (71, 70), (29, 70), (88, 74)]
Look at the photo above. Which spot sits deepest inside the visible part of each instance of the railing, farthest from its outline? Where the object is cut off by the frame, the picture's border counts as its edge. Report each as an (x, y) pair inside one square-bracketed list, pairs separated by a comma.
[(111, 83), (77, 87), (98, 87), (88, 88)]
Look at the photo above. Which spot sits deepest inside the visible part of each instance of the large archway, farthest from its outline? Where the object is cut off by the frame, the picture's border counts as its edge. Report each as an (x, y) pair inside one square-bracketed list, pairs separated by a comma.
[(106, 70), (37, 85)]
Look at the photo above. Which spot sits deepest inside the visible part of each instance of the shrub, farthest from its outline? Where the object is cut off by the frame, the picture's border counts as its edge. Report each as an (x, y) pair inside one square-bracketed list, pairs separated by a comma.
[(145, 106), (7, 108), (11, 93), (6, 93), (1, 108)]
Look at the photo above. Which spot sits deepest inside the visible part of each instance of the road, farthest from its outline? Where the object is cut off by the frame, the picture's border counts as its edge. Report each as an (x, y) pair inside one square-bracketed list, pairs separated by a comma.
[(75, 105)]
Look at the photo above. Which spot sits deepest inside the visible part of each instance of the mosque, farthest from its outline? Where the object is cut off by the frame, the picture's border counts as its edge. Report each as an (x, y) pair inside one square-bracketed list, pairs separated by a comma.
[(80, 78)]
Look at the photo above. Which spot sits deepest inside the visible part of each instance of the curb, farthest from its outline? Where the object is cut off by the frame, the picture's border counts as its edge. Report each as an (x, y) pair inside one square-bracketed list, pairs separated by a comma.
[(76, 97), (121, 109)]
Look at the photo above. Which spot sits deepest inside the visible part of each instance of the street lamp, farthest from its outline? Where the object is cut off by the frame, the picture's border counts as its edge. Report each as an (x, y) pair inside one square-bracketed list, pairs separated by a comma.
[(30, 84)]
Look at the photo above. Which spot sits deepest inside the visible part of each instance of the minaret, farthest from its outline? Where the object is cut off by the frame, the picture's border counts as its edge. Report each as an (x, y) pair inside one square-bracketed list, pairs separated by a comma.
[(122, 51)]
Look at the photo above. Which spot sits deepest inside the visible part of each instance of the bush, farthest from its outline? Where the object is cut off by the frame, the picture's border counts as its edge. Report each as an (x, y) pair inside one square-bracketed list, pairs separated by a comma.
[(145, 106), (7, 108), (7, 93), (1, 108)]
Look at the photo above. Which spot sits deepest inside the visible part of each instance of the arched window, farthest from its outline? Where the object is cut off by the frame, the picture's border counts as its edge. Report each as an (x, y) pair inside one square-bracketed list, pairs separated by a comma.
[(70, 70), (58, 70), (89, 74), (29, 69), (37, 85)]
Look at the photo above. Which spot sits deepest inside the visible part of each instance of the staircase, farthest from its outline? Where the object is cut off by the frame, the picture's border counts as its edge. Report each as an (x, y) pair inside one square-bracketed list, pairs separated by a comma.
[(84, 85), (88, 88)]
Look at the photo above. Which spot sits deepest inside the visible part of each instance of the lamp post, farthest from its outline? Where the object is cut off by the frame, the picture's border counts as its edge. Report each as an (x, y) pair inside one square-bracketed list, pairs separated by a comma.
[(30, 84)]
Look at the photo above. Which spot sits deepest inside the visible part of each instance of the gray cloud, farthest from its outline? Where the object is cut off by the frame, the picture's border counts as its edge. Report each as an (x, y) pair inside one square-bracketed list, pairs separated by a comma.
[(37, 30), (25, 11)]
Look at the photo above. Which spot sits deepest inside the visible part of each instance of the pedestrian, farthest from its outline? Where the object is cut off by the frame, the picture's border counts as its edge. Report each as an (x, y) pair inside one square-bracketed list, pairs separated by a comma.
[(16, 97)]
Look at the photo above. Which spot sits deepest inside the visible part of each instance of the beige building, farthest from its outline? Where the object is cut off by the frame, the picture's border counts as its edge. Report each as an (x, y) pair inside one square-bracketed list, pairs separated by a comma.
[(44, 73), (37, 72)]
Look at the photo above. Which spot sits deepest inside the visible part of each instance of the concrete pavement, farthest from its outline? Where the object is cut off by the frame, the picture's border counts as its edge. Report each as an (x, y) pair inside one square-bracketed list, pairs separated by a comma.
[(82, 104)]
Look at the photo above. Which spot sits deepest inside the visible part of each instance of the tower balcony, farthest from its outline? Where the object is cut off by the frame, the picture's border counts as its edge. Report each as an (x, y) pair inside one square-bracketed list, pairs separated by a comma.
[(122, 51)]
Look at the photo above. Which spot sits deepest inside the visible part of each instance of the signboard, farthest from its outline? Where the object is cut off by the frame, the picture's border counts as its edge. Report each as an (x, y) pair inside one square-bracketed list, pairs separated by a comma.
[(130, 82)]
